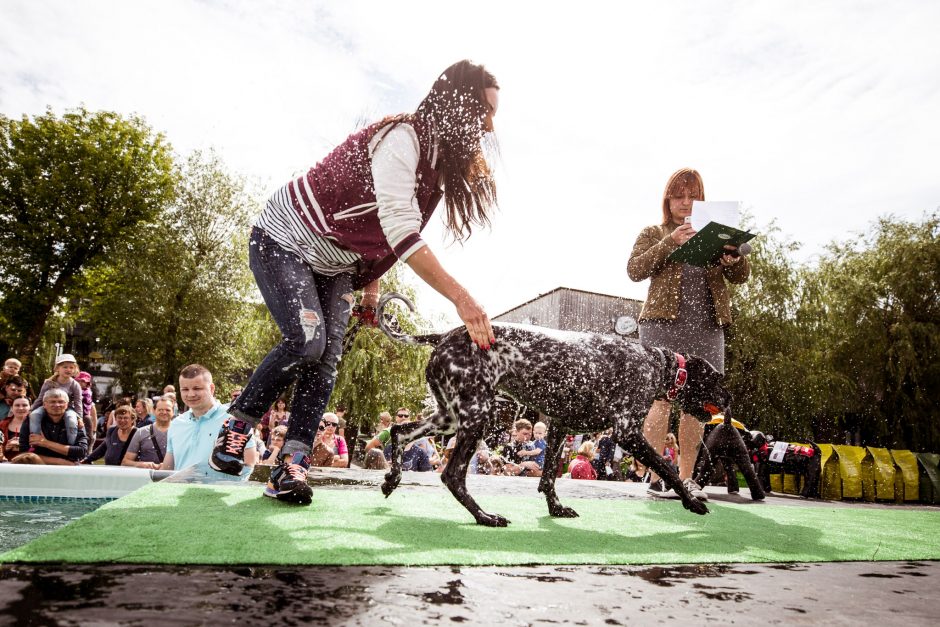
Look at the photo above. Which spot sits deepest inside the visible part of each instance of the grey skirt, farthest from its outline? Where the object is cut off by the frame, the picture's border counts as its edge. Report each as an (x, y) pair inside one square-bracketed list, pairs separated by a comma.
[(695, 331)]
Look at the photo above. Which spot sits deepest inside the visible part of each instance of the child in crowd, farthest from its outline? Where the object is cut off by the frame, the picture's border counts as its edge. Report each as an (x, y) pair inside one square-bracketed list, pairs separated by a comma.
[(581, 467), (539, 430), (521, 452), (89, 412), (671, 451), (269, 457), (11, 368), (64, 377)]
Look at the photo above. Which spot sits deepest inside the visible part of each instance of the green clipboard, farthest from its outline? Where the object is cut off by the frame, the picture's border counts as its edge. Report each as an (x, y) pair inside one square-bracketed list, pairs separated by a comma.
[(707, 245)]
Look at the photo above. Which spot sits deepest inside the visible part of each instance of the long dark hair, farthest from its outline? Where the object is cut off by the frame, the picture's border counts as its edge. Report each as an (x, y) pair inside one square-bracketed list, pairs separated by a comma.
[(455, 108)]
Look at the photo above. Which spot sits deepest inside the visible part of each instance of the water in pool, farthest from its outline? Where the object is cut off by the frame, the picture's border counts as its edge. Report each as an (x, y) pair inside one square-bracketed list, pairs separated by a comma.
[(21, 522)]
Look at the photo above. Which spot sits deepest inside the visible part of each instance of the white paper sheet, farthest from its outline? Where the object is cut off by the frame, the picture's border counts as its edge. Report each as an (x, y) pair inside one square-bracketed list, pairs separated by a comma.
[(778, 452), (727, 212)]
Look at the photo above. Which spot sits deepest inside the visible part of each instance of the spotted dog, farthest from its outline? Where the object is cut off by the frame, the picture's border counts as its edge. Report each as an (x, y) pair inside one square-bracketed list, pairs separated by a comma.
[(581, 382)]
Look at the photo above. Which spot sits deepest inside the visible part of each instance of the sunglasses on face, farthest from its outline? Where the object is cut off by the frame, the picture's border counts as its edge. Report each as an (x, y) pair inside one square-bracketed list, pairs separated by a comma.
[(404, 415), (324, 425)]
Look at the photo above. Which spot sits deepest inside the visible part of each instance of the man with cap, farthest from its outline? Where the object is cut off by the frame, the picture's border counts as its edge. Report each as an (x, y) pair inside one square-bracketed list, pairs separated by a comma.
[(52, 431)]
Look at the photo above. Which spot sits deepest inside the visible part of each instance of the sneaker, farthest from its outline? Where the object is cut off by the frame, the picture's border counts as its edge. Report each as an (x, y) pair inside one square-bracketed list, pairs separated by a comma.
[(695, 489), (228, 456), (659, 490), (288, 481)]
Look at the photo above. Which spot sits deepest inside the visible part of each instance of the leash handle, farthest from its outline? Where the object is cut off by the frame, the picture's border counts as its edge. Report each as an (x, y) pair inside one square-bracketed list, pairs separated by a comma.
[(366, 315)]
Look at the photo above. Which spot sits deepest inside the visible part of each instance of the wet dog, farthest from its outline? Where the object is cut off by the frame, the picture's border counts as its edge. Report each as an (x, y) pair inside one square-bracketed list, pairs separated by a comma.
[(733, 448), (581, 382)]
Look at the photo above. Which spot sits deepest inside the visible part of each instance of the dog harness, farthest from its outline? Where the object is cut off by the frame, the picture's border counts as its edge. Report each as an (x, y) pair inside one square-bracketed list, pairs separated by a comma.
[(682, 376)]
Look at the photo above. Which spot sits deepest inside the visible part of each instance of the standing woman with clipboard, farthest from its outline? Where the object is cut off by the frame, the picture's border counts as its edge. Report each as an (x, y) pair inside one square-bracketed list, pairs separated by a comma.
[(685, 311)]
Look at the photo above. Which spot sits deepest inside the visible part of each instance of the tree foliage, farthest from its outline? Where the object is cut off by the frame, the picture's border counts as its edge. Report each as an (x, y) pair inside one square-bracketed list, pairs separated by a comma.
[(848, 345), (181, 291), (70, 189), (883, 312)]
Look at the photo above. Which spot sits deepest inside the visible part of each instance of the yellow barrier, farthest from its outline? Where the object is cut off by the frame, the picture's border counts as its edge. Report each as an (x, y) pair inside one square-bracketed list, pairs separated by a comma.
[(882, 473), (907, 481), (851, 460), (930, 477), (830, 483)]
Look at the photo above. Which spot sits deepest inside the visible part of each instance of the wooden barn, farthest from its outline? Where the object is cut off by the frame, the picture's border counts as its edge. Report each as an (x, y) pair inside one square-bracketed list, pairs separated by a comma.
[(569, 309)]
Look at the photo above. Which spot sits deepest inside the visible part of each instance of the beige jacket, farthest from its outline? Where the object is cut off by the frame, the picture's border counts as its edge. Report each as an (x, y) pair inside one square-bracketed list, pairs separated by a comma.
[(648, 261)]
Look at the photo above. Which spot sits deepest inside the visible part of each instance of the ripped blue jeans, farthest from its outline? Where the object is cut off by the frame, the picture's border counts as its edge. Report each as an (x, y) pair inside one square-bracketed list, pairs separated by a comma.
[(312, 311)]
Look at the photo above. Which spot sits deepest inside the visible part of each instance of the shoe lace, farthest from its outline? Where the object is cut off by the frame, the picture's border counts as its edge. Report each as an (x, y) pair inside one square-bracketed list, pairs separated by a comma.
[(235, 443), (297, 472)]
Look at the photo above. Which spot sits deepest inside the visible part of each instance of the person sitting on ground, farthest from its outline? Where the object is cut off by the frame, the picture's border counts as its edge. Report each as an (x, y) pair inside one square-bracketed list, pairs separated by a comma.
[(374, 457), (382, 434), (148, 446), (117, 440), (12, 368), (637, 472), (581, 467), (427, 445), (277, 416), (53, 432), (479, 464), (520, 453), (194, 433), (63, 378), (329, 448), (143, 410), (13, 388), (269, 457), (413, 458), (11, 425), (604, 454)]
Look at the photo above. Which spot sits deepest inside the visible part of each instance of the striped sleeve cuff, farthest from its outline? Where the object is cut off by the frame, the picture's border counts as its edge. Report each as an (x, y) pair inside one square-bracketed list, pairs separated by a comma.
[(408, 246)]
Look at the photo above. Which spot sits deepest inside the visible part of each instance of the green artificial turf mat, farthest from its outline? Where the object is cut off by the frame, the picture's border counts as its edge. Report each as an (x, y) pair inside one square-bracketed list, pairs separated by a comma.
[(233, 524)]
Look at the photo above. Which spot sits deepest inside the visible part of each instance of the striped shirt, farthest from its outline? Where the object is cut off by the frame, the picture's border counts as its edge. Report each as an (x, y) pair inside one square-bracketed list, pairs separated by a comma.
[(394, 162)]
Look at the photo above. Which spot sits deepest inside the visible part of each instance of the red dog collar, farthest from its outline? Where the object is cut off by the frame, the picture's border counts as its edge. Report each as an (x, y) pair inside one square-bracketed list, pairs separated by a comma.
[(681, 376)]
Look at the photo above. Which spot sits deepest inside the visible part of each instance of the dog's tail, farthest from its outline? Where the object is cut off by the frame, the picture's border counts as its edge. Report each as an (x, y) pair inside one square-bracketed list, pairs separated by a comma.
[(390, 327)]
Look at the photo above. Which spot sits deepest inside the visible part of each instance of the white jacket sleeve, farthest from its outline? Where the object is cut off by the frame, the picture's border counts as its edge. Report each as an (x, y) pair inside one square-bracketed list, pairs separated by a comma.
[(394, 166)]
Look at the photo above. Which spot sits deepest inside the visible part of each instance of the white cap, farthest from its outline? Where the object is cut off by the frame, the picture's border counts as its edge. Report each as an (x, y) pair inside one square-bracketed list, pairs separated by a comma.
[(64, 357)]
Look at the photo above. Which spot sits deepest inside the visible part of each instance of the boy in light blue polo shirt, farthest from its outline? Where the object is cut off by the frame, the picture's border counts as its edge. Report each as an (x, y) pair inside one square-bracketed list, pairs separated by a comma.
[(193, 434)]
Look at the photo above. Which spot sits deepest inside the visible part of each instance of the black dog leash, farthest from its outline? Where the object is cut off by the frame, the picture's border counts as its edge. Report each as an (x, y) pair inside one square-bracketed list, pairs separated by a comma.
[(364, 316)]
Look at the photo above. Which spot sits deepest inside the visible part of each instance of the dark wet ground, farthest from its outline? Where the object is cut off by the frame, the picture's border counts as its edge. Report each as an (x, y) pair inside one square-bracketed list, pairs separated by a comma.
[(879, 593)]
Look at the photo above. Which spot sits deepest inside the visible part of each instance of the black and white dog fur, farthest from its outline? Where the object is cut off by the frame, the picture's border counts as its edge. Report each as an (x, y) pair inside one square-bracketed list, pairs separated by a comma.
[(581, 382)]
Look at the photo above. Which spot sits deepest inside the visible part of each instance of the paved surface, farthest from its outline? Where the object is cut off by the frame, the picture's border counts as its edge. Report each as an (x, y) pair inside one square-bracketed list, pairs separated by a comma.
[(880, 593)]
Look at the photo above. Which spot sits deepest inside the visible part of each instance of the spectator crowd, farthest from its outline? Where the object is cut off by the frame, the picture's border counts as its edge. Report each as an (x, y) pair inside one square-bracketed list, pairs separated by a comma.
[(61, 425)]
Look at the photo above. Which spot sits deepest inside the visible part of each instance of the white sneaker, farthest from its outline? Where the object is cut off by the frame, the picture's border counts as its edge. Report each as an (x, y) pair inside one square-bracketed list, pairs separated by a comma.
[(659, 490), (695, 489)]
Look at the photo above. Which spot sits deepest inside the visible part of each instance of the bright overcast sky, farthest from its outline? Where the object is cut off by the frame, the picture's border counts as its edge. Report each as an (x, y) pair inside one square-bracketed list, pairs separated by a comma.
[(823, 115)]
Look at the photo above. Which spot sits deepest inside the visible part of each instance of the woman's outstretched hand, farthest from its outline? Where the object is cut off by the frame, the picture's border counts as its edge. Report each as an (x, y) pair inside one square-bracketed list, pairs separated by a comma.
[(478, 323)]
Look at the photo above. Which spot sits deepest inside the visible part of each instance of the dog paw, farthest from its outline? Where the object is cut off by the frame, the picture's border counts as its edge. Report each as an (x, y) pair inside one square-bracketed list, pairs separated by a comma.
[(696, 506), (491, 520), (388, 488), (563, 512)]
